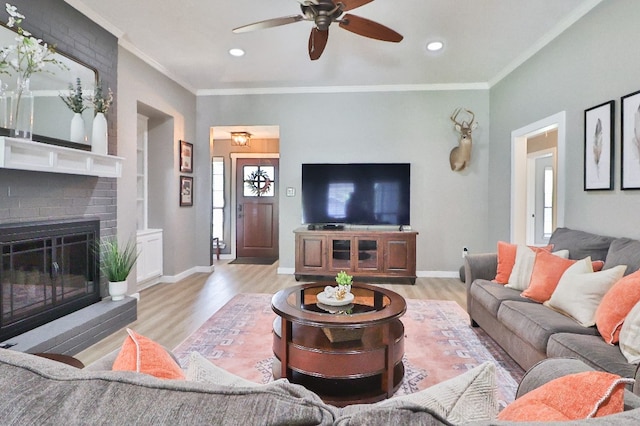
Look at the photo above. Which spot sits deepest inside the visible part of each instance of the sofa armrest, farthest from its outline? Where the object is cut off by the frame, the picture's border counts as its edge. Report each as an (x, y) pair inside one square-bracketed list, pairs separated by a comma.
[(481, 266)]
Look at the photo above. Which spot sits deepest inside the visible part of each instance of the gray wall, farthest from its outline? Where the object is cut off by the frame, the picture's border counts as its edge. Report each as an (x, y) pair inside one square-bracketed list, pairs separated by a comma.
[(448, 209), (30, 196), (173, 111), (594, 61)]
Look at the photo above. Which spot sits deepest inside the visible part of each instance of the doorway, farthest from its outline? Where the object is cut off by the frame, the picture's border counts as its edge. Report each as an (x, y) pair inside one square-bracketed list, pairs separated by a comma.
[(525, 188), (257, 208)]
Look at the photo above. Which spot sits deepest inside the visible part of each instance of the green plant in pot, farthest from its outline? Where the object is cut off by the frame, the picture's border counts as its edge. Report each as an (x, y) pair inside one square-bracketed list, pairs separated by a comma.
[(116, 263), (344, 281)]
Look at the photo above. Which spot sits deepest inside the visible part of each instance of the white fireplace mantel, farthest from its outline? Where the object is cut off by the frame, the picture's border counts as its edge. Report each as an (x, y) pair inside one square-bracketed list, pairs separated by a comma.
[(21, 154)]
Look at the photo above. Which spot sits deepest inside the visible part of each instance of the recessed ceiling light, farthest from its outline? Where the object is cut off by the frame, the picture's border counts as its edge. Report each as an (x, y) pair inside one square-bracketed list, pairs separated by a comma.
[(236, 52), (435, 46)]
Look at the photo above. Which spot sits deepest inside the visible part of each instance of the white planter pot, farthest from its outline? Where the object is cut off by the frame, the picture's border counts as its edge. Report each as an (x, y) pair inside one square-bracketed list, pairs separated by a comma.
[(99, 138), (76, 133), (117, 290)]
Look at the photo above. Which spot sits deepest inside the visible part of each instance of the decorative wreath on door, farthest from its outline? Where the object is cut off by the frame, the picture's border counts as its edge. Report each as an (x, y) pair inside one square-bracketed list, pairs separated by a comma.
[(259, 182)]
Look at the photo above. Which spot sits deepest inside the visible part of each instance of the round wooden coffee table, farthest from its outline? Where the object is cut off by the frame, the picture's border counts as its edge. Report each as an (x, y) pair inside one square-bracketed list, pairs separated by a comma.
[(346, 354)]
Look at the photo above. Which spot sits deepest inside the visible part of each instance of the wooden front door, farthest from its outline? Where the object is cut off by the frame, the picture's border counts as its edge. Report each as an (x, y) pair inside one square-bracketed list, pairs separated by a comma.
[(257, 207)]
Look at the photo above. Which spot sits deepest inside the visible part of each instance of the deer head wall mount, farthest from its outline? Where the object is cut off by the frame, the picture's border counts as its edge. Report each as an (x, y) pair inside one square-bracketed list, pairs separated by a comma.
[(460, 156)]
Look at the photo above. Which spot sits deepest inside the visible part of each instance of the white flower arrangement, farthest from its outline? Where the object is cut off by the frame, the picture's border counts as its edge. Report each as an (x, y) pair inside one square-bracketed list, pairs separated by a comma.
[(29, 55)]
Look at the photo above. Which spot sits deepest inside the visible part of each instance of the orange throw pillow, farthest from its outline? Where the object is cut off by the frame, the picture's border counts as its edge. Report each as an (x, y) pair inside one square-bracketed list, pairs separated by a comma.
[(506, 260), (572, 397), (143, 355), (616, 305), (547, 270)]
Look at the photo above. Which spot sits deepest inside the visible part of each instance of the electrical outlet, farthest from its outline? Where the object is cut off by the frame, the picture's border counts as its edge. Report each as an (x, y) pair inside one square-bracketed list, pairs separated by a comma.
[(465, 252), (291, 192)]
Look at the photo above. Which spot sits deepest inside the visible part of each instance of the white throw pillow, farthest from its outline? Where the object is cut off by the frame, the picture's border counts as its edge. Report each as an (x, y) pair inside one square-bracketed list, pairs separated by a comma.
[(580, 290), (204, 371), (523, 266), (469, 397), (630, 335)]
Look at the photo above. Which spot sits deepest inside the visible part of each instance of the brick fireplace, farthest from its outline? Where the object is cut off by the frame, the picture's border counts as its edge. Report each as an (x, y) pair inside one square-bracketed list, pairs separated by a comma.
[(47, 270)]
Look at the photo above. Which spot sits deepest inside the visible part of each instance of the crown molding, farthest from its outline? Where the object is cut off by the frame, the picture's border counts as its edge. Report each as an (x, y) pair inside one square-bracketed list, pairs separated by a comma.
[(344, 89)]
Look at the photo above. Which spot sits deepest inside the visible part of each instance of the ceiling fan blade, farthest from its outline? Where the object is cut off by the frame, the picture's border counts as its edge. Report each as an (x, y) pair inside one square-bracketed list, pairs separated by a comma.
[(317, 42), (367, 28), (269, 23), (352, 4)]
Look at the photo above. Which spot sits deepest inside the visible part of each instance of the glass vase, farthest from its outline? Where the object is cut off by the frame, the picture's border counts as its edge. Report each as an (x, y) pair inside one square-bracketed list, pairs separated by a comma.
[(4, 105), (21, 115)]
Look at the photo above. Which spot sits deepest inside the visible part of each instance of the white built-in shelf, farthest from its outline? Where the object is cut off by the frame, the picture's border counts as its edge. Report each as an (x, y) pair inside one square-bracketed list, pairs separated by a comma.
[(22, 154)]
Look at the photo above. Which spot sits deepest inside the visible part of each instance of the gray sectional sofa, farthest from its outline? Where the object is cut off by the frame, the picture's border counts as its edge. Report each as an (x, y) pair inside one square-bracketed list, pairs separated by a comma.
[(530, 332), (38, 391)]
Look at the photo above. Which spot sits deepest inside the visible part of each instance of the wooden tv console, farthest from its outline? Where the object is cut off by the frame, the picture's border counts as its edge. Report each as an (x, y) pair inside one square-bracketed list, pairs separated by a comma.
[(364, 253)]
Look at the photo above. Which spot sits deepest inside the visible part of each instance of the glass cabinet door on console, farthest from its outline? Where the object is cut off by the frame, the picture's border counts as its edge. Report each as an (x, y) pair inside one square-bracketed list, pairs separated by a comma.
[(367, 255), (340, 259)]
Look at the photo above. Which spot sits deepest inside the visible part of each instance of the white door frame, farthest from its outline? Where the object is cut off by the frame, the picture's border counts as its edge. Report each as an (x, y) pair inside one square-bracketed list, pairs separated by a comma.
[(519, 178), (233, 211)]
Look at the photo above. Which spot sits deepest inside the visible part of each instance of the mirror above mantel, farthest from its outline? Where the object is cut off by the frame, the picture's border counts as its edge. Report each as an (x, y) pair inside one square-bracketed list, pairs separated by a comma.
[(52, 118)]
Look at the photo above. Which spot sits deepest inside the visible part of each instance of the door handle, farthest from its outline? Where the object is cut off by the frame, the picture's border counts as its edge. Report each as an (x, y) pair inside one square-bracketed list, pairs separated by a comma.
[(239, 211)]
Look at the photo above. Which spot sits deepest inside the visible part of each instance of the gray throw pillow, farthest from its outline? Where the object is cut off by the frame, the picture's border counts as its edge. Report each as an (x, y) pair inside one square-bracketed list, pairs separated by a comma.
[(580, 244), (624, 251)]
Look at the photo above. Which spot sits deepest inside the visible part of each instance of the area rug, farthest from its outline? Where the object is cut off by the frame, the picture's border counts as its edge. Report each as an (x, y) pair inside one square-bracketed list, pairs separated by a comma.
[(253, 261), (439, 344)]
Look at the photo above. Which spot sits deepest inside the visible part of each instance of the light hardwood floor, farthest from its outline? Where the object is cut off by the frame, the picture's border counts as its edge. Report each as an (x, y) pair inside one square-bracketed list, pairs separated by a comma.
[(168, 313)]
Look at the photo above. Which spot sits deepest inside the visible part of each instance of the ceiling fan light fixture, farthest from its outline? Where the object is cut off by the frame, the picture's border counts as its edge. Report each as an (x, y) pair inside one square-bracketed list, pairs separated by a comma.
[(240, 138), (237, 52), (435, 46)]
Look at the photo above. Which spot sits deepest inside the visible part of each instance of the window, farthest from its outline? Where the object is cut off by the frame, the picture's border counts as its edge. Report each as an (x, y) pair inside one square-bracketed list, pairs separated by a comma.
[(547, 218), (217, 195), (258, 181)]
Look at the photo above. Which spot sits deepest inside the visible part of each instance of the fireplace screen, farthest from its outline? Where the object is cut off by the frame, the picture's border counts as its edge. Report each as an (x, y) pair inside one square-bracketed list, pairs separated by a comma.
[(47, 271)]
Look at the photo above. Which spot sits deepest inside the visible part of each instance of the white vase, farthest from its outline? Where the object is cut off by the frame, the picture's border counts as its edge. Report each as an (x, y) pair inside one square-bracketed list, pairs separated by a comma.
[(76, 133), (99, 135), (117, 290), (21, 114)]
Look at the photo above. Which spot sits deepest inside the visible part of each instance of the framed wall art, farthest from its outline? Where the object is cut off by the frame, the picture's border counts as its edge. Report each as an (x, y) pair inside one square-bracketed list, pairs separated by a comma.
[(186, 157), (630, 141), (186, 191), (598, 147)]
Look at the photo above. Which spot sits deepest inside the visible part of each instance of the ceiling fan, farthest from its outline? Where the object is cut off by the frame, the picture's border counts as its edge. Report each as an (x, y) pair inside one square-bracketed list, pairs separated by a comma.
[(323, 13)]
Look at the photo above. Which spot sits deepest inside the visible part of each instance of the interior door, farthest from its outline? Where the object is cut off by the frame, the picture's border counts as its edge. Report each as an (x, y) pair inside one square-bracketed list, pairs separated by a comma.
[(257, 207), (542, 193)]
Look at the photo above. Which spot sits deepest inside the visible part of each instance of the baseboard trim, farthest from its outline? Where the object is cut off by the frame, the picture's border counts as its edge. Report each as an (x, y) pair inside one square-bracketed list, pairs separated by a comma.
[(172, 279)]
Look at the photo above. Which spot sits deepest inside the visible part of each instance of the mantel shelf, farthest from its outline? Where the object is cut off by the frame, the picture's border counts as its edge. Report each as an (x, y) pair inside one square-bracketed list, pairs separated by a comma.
[(21, 154)]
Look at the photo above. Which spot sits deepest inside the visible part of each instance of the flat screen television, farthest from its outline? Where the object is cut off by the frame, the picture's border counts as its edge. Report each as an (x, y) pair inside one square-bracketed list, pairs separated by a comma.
[(356, 193)]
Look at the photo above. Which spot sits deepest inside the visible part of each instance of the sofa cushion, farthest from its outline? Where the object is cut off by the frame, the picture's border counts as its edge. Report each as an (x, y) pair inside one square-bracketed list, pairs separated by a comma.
[(624, 251), (581, 244), (592, 350), (490, 295), (573, 397), (39, 391), (536, 323)]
